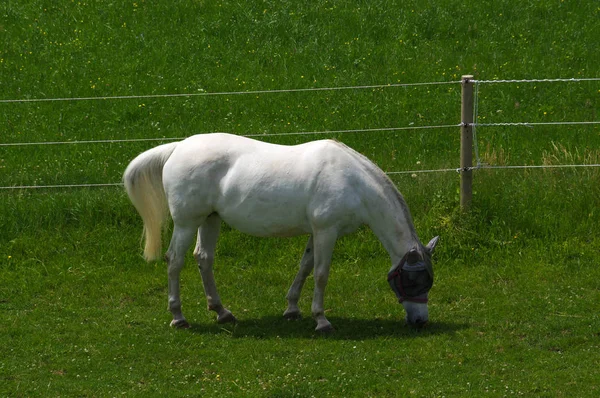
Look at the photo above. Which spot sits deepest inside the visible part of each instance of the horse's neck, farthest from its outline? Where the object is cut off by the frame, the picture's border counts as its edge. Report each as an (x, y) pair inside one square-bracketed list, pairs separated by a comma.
[(390, 219), (392, 222)]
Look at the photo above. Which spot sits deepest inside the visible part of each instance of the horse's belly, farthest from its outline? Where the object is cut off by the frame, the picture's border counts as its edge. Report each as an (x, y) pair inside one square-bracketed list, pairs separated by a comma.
[(260, 220)]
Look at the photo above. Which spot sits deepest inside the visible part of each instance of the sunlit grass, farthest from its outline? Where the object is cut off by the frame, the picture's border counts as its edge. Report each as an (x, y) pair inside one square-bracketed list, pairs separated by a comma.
[(514, 309)]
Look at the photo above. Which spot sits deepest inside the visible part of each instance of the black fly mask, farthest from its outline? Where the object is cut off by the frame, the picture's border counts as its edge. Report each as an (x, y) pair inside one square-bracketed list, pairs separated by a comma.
[(412, 278)]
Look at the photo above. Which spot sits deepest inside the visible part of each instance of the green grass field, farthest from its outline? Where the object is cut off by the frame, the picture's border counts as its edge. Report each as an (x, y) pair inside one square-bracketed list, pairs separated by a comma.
[(516, 303)]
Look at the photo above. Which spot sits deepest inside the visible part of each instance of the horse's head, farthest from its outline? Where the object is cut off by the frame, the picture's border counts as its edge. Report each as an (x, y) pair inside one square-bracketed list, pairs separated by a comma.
[(412, 279)]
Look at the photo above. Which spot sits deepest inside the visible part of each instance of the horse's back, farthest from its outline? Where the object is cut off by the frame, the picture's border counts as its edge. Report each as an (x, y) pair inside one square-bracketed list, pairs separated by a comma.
[(260, 188)]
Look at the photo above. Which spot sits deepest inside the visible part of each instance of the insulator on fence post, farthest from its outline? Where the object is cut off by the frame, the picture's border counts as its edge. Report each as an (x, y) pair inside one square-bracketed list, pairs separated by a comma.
[(466, 143)]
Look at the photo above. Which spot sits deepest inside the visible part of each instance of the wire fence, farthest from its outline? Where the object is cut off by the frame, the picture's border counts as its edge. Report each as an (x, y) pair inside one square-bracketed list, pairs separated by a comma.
[(570, 80), (227, 93), (479, 164), (476, 124), (330, 132)]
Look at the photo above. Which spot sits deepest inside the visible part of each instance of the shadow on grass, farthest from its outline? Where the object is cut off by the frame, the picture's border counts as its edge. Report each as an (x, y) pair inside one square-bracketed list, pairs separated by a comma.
[(345, 329)]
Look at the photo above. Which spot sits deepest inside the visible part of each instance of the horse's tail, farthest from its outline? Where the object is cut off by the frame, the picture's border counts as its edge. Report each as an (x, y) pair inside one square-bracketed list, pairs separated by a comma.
[(144, 185)]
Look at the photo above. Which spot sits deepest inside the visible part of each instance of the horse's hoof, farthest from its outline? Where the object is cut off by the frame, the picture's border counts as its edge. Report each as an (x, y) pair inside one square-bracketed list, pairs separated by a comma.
[(180, 324), (292, 315), (325, 329), (226, 318)]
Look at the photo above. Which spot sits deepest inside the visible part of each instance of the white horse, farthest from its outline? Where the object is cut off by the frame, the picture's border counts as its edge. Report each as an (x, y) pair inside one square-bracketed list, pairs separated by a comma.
[(321, 188)]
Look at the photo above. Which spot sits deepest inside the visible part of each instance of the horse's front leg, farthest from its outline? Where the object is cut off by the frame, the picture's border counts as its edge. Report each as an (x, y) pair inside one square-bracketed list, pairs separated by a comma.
[(324, 243), (306, 266), (204, 253), (180, 242)]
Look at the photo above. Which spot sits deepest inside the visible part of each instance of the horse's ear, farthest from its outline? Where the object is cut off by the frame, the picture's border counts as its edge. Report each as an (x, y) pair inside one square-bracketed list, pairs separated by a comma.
[(413, 257), (432, 244)]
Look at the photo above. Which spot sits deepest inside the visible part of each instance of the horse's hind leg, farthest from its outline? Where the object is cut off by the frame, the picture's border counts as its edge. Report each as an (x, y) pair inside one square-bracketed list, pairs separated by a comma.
[(204, 253), (180, 242), (306, 266)]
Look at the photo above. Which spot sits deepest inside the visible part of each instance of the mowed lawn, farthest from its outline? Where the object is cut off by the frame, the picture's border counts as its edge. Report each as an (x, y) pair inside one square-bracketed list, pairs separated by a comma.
[(514, 308)]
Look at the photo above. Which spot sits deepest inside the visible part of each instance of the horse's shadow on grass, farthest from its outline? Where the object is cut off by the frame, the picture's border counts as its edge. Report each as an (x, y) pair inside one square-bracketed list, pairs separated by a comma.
[(345, 328)]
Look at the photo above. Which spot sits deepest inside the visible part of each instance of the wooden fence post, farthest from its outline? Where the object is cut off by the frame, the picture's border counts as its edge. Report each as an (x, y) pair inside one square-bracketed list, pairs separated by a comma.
[(466, 143)]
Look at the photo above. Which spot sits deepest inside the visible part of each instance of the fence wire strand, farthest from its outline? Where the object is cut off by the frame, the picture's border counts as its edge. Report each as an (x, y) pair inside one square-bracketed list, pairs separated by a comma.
[(570, 80), (120, 184), (546, 166), (533, 124), (257, 135), (412, 173), (227, 93), (17, 187)]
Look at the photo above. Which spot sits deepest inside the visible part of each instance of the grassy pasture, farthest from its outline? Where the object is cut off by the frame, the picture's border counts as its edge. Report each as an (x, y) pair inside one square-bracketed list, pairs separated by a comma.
[(514, 310)]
